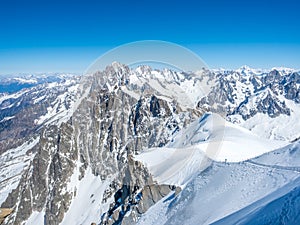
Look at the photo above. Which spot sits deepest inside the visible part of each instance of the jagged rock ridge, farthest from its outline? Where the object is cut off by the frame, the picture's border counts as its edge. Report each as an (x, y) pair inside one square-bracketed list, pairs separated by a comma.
[(108, 125)]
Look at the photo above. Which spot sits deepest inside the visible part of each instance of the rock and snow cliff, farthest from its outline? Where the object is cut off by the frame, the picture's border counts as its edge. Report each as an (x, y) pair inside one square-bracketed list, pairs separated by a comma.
[(126, 146)]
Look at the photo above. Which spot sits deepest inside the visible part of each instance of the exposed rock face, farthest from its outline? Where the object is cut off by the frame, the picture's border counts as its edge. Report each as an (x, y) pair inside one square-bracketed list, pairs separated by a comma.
[(246, 94), (41, 186), (136, 195), (108, 126)]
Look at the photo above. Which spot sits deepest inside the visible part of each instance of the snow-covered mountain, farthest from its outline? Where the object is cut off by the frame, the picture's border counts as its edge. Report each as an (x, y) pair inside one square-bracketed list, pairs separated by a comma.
[(235, 193), (265, 102), (208, 139), (23, 112), (15, 82), (137, 146)]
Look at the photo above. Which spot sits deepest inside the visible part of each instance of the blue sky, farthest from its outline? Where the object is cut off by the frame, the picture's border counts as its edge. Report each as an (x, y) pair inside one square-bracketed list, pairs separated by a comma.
[(45, 36)]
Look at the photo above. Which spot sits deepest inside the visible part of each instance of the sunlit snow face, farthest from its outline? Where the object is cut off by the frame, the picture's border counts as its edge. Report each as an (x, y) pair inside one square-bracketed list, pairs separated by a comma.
[(175, 74)]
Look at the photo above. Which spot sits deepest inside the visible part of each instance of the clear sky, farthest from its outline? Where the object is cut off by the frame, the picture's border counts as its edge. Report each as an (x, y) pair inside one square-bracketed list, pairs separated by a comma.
[(45, 36)]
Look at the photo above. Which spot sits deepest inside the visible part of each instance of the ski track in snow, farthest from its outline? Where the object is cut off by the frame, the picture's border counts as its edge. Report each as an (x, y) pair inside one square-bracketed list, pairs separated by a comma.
[(191, 149), (218, 192), (218, 189)]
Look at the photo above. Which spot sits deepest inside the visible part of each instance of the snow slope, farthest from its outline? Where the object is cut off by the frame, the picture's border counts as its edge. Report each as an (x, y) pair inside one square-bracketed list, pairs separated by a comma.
[(255, 187), (282, 127), (210, 137), (87, 205), (174, 166), (282, 206), (221, 140)]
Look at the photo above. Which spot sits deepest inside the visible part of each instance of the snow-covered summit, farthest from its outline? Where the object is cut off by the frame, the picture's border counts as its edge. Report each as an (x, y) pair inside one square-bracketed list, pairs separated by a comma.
[(247, 70), (192, 149), (258, 191)]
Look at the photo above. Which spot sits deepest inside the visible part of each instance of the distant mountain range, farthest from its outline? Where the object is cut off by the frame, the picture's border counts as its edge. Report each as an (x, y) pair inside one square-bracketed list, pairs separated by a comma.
[(13, 83)]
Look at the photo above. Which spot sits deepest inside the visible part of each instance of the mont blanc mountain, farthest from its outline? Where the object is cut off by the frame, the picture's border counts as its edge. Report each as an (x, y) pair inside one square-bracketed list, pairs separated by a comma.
[(147, 146)]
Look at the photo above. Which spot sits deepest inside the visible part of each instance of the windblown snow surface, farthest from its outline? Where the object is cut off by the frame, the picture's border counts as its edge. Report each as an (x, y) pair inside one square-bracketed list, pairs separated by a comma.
[(192, 149), (243, 179)]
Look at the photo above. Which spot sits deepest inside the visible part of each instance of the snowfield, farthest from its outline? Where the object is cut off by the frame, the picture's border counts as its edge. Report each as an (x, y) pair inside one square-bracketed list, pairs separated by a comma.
[(249, 192), (193, 149), (283, 127), (174, 166), (282, 205), (252, 176), (89, 193)]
